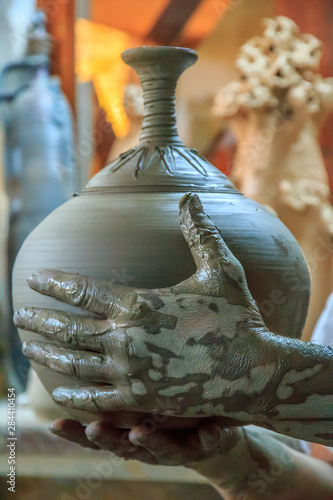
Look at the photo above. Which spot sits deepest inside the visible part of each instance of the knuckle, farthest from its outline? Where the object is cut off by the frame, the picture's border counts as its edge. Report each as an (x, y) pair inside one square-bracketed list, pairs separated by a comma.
[(128, 397), (123, 373), (63, 326), (78, 291), (74, 368), (129, 302), (69, 331)]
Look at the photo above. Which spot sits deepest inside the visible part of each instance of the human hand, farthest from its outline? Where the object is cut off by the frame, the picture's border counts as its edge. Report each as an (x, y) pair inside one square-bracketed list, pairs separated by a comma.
[(187, 447), (197, 349), (189, 350), (247, 463)]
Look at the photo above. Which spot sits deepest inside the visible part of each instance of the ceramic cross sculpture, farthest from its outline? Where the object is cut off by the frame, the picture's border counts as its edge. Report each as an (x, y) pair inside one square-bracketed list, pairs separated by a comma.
[(276, 110), (123, 228)]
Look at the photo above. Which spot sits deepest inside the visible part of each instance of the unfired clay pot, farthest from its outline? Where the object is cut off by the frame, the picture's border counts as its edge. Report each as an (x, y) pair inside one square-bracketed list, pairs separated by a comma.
[(124, 225)]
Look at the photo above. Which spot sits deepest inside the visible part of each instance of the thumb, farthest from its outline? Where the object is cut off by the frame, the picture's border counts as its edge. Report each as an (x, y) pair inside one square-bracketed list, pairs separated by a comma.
[(217, 268)]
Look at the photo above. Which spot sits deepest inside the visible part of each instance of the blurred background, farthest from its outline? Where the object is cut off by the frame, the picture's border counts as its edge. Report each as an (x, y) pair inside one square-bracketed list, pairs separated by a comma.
[(69, 106)]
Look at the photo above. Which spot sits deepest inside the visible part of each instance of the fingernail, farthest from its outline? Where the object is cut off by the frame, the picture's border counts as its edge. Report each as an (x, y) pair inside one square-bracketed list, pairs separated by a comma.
[(26, 349), (17, 318), (56, 431), (35, 280), (94, 436), (183, 200), (94, 431), (195, 202), (137, 440), (59, 395), (39, 280)]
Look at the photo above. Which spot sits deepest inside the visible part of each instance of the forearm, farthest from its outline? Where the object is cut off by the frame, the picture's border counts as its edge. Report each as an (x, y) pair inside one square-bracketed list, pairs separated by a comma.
[(262, 467)]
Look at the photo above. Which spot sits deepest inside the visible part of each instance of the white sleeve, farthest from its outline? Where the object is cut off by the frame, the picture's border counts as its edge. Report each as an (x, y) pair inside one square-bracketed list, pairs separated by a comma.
[(323, 332), (323, 335)]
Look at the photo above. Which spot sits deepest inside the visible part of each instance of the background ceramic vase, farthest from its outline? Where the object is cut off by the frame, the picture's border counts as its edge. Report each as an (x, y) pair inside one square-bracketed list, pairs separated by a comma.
[(276, 111), (124, 225), (39, 172)]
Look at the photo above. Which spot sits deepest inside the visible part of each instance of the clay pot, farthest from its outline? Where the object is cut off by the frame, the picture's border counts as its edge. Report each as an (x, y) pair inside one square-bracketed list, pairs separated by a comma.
[(124, 225)]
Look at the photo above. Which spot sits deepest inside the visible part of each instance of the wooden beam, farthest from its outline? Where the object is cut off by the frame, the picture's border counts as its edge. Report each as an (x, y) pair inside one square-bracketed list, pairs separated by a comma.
[(172, 21)]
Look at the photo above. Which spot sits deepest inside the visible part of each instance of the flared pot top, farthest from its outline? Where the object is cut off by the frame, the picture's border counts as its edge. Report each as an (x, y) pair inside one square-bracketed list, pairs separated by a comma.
[(160, 161)]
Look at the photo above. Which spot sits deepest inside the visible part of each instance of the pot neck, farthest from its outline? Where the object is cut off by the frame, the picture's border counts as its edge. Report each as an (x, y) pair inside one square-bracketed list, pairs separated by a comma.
[(158, 69)]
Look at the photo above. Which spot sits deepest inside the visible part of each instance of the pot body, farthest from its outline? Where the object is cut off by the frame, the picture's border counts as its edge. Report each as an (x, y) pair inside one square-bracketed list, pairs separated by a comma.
[(135, 239)]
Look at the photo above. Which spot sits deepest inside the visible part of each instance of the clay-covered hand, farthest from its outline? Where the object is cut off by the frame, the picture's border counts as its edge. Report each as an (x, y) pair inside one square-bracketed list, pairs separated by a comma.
[(189, 350), (197, 349)]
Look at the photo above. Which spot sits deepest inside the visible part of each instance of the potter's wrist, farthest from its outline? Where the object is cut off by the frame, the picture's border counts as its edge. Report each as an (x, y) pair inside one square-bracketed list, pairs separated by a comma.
[(225, 466), (300, 390), (257, 467)]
